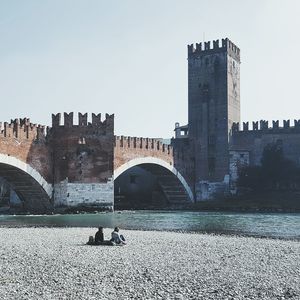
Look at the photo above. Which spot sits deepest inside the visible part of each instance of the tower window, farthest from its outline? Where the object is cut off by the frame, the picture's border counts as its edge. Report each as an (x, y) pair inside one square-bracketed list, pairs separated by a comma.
[(81, 140)]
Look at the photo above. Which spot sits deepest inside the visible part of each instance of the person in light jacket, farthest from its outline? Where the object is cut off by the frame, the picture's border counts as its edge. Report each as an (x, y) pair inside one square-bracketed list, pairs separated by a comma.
[(117, 238)]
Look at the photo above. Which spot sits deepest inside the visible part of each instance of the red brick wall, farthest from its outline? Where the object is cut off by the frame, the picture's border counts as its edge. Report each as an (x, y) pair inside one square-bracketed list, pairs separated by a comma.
[(87, 152), (84, 152), (26, 142), (128, 148)]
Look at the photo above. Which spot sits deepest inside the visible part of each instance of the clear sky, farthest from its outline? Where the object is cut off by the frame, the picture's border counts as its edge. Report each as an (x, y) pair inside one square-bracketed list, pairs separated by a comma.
[(128, 57)]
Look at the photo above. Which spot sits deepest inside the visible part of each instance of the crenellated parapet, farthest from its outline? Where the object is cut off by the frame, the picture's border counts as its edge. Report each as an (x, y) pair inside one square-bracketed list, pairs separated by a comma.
[(286, 126), (205, 48), (127, 148), (23, 129), (82, 120), (147, 144)]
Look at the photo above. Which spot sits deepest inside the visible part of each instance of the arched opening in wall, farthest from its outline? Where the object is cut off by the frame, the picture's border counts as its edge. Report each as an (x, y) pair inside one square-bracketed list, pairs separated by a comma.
[(9, 200), (21, 193), (149, 186)]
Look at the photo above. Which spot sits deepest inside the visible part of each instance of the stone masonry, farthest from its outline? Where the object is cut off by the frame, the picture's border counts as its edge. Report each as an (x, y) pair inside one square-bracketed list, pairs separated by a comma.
[(213, 106), (212, 147)]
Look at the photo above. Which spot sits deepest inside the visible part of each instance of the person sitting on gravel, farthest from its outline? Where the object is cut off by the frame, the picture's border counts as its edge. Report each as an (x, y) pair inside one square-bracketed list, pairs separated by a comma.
[(99, 237), (117, 238)]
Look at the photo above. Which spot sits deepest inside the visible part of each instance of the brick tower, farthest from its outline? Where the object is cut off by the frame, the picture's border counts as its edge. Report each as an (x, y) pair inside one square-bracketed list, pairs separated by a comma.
[(82, 160), (213, 106)]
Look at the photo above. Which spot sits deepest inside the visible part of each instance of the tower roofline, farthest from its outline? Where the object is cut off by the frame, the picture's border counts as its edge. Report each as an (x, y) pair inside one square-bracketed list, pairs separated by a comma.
[(200, 49)]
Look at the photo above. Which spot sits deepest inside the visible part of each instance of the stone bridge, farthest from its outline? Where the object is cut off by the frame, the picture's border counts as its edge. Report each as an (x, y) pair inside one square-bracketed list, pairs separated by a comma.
[(69, 166)]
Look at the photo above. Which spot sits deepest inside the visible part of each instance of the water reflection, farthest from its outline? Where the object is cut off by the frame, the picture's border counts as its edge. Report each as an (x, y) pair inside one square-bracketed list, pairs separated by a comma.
[(259, 224)]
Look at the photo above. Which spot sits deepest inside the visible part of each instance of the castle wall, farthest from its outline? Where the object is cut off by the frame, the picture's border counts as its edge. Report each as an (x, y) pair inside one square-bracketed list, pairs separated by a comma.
[(129, 148), (255, 139), (183, 159), (77, 159), (27, 142), (83, 160)]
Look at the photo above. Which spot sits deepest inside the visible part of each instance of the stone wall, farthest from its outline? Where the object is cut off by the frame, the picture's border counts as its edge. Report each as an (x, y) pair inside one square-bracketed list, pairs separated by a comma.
[(84, 194), (255, 139), (184, 160)]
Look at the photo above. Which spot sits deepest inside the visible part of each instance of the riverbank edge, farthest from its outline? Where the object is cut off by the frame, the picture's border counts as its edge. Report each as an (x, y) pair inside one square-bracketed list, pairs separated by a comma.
[(198, 232), (204, 206)]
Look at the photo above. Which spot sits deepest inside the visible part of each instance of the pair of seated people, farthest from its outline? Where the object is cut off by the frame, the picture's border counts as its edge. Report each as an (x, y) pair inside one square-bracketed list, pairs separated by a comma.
[(116, 238)]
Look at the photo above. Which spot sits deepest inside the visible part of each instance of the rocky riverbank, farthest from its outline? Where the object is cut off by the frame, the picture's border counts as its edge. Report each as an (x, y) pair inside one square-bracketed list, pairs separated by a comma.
[(55, 263)]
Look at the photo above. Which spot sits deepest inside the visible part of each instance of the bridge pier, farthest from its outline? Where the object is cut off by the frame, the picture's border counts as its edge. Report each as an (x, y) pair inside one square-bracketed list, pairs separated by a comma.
[(84, 195)]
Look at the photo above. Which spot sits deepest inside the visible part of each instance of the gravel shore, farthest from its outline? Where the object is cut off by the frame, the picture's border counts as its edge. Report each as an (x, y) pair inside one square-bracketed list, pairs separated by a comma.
[(55, 263)]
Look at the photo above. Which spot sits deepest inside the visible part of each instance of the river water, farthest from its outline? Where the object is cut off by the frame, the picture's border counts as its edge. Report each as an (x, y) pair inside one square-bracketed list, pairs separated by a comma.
[(283, 225)]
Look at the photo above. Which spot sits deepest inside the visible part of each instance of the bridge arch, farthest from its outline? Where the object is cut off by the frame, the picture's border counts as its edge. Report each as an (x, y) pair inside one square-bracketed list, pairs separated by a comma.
[(148, 161), (28, 183)]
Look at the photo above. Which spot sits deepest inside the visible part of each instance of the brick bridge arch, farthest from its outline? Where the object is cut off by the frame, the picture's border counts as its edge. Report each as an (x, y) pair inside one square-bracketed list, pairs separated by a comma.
[(154, 161), (25, 163), (27, 182), (155, 157)]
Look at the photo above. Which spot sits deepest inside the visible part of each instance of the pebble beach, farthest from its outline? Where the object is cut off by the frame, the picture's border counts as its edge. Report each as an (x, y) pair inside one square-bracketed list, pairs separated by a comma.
[(55, 263)]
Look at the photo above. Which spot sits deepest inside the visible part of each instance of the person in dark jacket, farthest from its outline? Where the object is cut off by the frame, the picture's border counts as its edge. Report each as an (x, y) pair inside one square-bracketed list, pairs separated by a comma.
[(99, 237)]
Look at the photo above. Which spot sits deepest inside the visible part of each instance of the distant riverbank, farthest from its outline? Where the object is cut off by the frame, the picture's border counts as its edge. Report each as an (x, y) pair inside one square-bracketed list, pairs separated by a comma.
[(55, 263), (264, 202)]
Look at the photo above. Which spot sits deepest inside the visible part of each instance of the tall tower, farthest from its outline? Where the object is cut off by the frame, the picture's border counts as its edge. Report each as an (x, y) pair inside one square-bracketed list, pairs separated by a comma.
[(213, 106)]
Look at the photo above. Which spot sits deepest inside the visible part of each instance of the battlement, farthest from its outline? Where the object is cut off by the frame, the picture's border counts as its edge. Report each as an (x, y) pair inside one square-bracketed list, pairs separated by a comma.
[(82, 120), (23, 129), (205, 48), (263, 126), (143, 143)]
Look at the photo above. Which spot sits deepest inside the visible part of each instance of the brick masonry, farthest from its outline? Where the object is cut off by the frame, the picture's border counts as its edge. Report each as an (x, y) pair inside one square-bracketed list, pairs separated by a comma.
[(76, 160), (128, 148)]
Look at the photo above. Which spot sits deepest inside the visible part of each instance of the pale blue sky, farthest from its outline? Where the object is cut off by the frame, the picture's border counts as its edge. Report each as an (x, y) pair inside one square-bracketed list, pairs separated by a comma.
[(128, 57)]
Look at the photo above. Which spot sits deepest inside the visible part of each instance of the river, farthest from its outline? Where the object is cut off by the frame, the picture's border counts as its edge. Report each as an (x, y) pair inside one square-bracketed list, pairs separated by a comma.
[(283, 225)]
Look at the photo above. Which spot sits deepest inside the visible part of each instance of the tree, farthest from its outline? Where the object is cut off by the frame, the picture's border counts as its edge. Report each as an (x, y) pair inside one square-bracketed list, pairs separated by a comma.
[(275, 171), (251, 177)]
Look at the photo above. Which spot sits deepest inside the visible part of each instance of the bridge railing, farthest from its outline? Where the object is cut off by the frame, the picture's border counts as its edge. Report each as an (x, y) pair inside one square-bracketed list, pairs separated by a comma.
[(141, 143)]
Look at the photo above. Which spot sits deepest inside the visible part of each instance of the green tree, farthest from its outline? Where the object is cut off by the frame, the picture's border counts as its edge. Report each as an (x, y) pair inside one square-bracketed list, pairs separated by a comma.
[(275, 171), (251, 177)]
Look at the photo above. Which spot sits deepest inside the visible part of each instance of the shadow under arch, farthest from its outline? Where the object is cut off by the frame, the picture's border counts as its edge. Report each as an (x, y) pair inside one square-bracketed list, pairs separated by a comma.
[(29, 185), (174, 187)]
